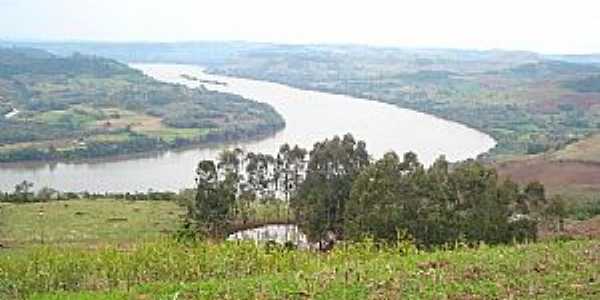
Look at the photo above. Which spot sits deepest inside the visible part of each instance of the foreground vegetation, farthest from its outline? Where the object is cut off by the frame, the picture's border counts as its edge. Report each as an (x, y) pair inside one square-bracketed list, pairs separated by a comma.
[(119, 249), (165, 269), (81, 106)]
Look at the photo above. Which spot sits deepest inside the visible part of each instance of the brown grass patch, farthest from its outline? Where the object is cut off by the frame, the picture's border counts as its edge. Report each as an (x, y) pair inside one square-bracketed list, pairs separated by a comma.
[(553, 174), (586, 150)]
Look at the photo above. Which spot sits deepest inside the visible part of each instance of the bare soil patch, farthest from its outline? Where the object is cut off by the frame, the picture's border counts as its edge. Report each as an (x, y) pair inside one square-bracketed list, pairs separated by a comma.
[(553, 174)]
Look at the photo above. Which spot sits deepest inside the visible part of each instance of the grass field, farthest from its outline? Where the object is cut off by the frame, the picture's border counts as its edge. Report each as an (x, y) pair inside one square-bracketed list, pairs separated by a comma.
[(109, 249), (87, 222), (167, 270)]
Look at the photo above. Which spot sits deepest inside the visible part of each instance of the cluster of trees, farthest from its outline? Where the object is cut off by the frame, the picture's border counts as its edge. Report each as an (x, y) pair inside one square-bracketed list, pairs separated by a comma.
[(340, 191), (134, 144), (436, 205), (228, 189), (24, 193)]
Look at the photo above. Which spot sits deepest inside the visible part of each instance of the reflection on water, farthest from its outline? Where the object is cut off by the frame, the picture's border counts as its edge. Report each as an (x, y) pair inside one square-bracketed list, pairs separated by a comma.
[(277, 233), (310, 117)]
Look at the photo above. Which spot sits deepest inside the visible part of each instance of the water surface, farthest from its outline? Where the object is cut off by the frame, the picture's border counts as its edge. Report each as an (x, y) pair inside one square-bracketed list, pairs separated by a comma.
[(310, 117)]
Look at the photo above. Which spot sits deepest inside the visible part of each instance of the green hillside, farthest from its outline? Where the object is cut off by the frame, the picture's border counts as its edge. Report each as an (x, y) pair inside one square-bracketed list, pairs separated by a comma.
[(85, 106)]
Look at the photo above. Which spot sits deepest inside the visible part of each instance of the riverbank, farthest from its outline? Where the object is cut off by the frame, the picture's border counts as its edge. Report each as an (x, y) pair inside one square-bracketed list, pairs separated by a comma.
[(527, 103), (309, 117), (155, 150), (80, 107)]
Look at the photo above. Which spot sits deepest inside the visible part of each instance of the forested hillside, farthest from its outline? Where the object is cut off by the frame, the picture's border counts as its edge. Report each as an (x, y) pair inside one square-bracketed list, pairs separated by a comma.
[(84, 106), (529, 102)]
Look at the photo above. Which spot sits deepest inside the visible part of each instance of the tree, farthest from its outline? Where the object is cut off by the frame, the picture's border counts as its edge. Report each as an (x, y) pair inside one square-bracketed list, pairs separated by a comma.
[(534, 197), (211, 211), (320, 200), (46, 194), (555, 212), (23, 190), (373, 208), (434, 206)]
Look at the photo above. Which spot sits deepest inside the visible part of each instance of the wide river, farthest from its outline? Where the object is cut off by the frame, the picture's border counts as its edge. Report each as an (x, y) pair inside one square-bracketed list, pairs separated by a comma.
[(310, 117)]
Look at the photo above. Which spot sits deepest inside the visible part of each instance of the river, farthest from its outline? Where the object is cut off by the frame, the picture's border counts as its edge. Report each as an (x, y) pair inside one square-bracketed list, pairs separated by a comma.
[(310, 116)]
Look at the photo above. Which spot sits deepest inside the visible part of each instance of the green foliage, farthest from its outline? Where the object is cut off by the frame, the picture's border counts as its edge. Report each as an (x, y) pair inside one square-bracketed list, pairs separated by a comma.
[(436, 206), (320, 200), (585, 209), (168, 270), (212, 210), (340, 194), (62, 99)]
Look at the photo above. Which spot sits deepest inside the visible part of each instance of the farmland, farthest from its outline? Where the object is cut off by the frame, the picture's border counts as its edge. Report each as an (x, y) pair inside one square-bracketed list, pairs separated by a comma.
[(79, 107), (88, 256)]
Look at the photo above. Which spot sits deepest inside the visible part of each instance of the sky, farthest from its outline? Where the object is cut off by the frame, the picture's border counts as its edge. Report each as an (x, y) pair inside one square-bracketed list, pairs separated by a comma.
[(546, 26)]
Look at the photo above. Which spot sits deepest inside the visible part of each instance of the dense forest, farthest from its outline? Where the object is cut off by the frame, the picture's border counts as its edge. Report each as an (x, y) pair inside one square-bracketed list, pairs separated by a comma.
[(84, 106)]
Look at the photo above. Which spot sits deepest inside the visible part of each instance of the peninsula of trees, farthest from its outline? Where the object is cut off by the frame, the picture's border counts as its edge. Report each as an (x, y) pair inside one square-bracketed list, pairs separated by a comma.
[(81, 106)]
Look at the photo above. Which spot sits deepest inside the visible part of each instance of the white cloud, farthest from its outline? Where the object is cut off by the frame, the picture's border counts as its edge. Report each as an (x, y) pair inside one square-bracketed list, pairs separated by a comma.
[(546, 26)]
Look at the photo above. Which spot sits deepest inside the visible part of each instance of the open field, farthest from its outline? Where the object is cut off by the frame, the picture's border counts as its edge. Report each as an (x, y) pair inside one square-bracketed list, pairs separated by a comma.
[(573, 172), (86, 222), (109, 249), (586, 150), (555, 175)]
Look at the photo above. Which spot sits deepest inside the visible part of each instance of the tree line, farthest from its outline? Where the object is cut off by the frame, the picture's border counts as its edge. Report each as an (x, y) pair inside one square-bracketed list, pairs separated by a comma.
[(337, 190), (24, 192)]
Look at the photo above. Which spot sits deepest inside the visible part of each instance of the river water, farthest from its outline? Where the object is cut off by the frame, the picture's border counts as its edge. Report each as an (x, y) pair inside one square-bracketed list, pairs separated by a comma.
[(310, 116)]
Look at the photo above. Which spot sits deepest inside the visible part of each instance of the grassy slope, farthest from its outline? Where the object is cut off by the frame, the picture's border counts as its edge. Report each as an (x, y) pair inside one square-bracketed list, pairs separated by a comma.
[(86, 222), (94, 258), (165, 270), (573, 172), (587, 150)]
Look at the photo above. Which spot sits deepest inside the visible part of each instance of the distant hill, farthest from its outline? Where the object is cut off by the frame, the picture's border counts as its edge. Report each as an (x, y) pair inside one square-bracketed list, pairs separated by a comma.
[(580, 58), (83, 106), (218, 53)]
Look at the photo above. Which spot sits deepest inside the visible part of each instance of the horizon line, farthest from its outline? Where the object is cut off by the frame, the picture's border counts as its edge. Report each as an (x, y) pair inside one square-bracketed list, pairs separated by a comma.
[(240, 41)]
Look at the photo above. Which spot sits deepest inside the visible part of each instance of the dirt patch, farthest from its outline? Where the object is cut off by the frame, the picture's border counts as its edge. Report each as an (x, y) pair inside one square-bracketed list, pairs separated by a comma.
[(552, 173), (111, 220), (587, 150), (588, 228)]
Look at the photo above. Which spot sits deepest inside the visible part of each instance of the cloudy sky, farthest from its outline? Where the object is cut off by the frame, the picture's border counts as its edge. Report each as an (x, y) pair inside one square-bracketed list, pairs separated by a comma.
[(549, 26)]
